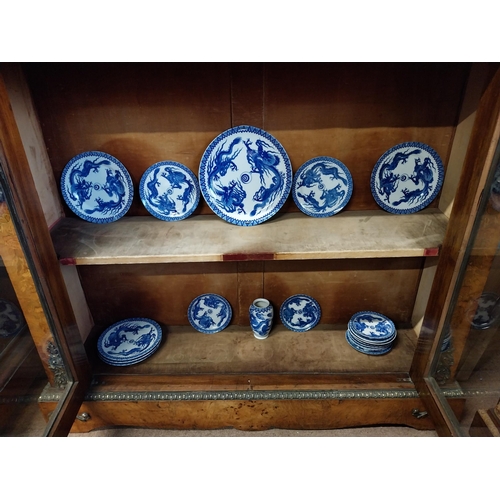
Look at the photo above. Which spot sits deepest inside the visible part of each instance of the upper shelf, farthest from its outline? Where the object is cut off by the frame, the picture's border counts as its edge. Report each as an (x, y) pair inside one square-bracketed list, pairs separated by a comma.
[(290, 236)]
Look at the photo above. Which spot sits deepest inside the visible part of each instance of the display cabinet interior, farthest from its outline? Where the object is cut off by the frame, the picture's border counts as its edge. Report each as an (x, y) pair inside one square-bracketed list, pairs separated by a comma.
[(360, 259)]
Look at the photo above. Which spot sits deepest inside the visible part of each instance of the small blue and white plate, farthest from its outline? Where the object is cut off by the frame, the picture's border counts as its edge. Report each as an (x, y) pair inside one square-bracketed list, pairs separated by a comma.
[(129, 341), (366, 350), (407, 178), (209, 313), (169, 191), (11, 319), (372, 326), (300, 313), (97, 187), (487, 312), (245, 175), (322, 187), (371, 343)]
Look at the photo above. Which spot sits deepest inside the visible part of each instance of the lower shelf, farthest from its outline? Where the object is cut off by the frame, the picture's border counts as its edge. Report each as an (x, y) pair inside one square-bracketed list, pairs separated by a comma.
[(323, 350)]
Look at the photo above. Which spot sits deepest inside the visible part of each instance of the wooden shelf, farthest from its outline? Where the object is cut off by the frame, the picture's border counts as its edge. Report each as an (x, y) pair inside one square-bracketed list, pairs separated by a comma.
[(290, 236), (322, 350)]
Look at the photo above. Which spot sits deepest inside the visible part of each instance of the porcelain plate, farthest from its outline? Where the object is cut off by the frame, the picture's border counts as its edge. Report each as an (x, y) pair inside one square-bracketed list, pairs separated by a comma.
[(209, 313), (407, 178), (97, 187), (300, 313), (322, 187), (245, 175)]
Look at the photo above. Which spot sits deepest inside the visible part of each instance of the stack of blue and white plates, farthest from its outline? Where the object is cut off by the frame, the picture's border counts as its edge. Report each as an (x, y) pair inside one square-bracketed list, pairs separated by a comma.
[(129, 341), (371, 333)]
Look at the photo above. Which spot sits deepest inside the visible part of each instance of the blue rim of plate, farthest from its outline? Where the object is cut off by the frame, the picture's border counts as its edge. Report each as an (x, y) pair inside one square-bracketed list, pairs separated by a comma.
[(313, 312), (229, 184), (99, 194), (322, 178), (169, 191), (135, 360), (365, 350), (11, 323), (126, 328), (386, 331), (421, 186), (371, 342), (201, 309)]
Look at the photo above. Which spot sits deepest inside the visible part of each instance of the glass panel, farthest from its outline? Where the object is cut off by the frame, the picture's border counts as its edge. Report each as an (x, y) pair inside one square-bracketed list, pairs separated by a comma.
[(468, 365), (23, 329)]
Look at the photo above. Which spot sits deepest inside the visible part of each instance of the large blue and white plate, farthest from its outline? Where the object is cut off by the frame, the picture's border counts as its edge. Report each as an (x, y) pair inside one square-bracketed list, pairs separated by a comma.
[(129, 341), (97, 187), (11, 319), (407, 178), (169, 191), (372, 326), (245, 175), (322, 187), (300, 313), (209, 313)]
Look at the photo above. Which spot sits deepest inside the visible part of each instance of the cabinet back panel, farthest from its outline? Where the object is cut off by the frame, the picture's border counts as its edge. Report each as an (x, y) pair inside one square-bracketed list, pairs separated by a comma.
[(164, 291), (344, 287), (145, 113), (161, 292)]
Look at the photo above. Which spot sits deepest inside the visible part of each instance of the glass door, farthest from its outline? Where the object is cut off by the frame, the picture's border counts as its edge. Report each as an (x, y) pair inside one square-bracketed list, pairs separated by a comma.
[(34, 366), (465, 369)]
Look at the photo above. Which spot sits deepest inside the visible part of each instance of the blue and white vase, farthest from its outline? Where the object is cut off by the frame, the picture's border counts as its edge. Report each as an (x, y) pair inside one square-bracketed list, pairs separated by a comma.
[(261, 318)]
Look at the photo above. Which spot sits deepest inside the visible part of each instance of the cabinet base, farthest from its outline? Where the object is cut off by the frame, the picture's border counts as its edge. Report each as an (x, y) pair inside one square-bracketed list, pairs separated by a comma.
[(253, 414)]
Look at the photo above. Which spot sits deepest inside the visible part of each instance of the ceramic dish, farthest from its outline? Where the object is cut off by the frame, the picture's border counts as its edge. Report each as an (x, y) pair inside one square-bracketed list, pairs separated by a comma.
[(169, 191), (366, 350), (11, 319), (322, 187), (245, 175), (487, 312), (209, 313), (97, 187), (128, 363), (129, 341), (372, 326), (300, 313), (372, 343), (407, 178)]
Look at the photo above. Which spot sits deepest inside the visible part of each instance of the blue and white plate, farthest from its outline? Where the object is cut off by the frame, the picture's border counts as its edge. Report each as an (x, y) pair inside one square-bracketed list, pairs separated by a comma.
[(372, 326), (129, 341), (11, 319), (371, 343), (136, 360), (366, 350), (322, 187), (487, 312), (407, 178), (245, 175), (169, 191), (300, 313), (97, 187), (209, 313)]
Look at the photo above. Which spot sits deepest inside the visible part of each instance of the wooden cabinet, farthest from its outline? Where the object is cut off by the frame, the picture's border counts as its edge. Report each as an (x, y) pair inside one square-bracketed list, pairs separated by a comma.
[(360, 259)]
